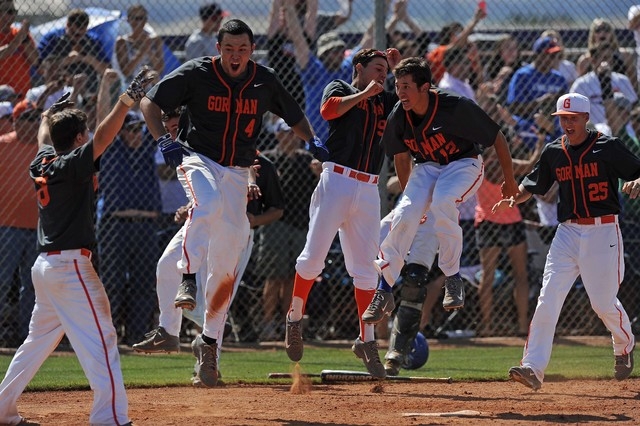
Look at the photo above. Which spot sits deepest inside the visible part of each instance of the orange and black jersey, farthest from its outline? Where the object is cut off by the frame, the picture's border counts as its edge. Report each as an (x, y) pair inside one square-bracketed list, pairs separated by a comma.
[(65, 187), (225, 114), (452, 129), (354, 137), (587, 175)]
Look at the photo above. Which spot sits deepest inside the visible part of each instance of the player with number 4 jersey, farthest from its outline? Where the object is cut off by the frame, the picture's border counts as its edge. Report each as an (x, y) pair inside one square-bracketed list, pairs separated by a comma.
[(226, 97)]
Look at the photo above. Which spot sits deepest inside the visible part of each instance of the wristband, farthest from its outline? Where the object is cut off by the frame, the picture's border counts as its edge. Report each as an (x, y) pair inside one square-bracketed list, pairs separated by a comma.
[(126, 99)]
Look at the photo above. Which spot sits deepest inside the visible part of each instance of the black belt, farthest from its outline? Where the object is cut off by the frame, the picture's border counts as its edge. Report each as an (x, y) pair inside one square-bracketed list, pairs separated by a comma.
[(444, 162)]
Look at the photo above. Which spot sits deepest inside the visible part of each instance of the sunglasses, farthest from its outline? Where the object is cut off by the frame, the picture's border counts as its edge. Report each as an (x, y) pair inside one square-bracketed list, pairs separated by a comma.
[(602, 29), (137, 18)]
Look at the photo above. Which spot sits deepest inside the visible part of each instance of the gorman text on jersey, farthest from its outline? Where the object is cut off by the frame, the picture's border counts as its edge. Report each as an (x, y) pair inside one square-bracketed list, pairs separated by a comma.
[(243, 106), (580, 171)]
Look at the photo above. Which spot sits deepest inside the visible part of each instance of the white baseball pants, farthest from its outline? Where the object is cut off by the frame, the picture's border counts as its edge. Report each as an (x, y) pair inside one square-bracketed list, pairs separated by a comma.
[(595, 252), (71, 300)]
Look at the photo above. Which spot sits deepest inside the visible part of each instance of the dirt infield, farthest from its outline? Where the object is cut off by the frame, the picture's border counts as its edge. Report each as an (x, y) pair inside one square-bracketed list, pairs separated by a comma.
[(572, 402)]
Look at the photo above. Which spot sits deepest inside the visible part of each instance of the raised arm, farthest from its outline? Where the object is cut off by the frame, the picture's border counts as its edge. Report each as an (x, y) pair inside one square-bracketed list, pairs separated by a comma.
[(461, 39), (296, 34), (112, 123), (337, 106), (103, 102)]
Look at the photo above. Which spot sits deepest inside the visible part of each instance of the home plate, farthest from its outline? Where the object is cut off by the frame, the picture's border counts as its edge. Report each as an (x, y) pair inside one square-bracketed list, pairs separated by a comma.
[(461, 413)]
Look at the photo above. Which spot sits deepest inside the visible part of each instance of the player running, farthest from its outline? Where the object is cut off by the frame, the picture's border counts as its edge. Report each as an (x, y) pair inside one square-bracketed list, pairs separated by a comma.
[(226, 97), (346, 199), (587, 165), (441, 132)]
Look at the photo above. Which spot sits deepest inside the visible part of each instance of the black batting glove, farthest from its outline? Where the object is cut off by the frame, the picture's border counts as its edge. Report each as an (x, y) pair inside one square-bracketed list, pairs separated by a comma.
[(61, 104), (137, 88)]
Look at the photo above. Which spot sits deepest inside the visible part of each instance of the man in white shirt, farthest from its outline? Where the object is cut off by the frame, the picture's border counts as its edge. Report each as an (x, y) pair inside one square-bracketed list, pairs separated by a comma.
[(600, 85), (456, 76), (202, 42)]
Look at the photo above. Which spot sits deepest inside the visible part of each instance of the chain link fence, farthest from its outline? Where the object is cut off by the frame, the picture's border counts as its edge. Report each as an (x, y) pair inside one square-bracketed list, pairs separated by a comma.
[(498, 38)]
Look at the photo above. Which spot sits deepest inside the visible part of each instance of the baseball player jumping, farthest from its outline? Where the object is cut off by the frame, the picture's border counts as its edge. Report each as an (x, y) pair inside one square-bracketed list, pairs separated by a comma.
[(346, 199), (587, 166), (226, 97), (441, 132)]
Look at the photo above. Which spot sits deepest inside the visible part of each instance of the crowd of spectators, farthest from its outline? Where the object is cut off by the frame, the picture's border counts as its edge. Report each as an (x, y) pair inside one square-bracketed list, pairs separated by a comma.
[(139, 194)]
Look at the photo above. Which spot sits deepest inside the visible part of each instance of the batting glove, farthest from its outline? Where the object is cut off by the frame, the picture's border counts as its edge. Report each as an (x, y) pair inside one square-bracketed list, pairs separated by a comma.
[(171, 150), (62, 103), (319, 150), (136, 89)]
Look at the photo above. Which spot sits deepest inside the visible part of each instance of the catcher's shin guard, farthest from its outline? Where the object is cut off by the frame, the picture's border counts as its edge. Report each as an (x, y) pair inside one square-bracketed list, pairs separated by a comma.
[(406, 324)]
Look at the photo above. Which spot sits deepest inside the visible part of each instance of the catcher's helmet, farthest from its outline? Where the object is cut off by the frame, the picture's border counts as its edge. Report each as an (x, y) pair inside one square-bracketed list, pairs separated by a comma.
[(418, 354)]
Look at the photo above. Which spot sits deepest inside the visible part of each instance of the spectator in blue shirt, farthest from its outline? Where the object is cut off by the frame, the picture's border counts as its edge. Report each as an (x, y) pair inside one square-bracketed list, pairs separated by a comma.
[(537, 85), (128, 230)]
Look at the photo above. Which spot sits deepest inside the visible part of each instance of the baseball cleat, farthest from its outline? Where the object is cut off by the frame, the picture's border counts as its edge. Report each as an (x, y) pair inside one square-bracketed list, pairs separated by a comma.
[(293, 340), (381, 306), (195, 379), (158, 340), (453, 293), (526, 376), (186, 297), (368, 353), (207, 362), (623, 366), (392, 366)]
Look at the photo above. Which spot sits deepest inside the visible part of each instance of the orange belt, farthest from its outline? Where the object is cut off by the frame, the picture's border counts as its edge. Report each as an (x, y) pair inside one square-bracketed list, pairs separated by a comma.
[(354, 174), (83, 252), (601, 220)]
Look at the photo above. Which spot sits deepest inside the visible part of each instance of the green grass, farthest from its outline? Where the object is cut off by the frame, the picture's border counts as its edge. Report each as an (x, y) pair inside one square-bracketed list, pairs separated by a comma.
[(464, 362)]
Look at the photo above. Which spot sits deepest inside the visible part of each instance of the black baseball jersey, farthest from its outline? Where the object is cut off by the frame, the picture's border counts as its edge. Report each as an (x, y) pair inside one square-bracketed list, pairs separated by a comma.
[(587, 175), (298, 183), (452, 129), (225, 114), (354, 137), (267, 180), (65, 187)]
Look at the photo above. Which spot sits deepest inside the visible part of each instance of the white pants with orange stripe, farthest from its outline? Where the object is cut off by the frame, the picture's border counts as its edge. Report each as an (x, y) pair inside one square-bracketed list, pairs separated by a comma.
[(167, 286), (596, 253), (216, 231), (434, 190), (71, 300), (350, 207), (424, 246)]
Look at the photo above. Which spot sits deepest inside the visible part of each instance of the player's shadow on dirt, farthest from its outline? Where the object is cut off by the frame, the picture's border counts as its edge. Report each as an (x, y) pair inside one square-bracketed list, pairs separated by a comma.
[(562, 418)]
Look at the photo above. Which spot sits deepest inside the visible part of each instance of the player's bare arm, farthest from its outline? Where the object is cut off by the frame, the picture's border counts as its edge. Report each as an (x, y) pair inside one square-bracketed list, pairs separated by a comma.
[(509, 186), (632, 188), (271, 215), (303, 129), (295, 32), (152, 117), (337, 106), (507, 203), (403, 163)]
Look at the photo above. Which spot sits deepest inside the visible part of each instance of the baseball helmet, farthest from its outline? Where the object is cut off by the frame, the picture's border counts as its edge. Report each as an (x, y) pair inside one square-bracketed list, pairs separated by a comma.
[(418, 354)]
